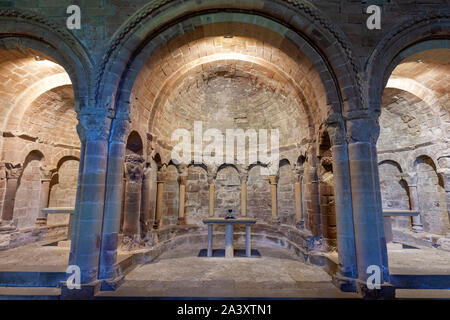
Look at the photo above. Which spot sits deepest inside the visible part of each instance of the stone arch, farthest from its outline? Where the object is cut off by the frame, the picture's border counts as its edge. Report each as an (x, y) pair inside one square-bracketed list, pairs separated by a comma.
[(294, 20), (432, 197), (134, 144), (425, 31), (63, 186), (33, 148), (259, 204), (27, 199), (55, 160), (26, 29), (227, 190), (197, 194)]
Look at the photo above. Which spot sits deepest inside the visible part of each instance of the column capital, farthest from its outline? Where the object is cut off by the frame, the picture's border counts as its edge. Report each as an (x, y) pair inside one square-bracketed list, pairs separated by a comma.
[(134, 169), (161, 175), (336, 129), (13, 170), (94, 126), (273, 180), (47, 173), (365, 129), (410, 178), (120, 129), (243, 177)]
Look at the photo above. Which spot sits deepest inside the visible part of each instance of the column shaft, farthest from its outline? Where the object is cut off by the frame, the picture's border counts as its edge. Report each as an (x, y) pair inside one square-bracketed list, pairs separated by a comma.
[(85, 250), (368, 235), (344, 212)]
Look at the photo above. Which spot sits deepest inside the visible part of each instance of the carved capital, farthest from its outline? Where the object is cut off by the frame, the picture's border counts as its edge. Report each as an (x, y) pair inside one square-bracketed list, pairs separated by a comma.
[(363, 129), (94, 126), (13, 170), (410, 178), (133, 168), (273, 180), (161, 175), (120, 129), (46, 173), (336, 129), (243, 177)]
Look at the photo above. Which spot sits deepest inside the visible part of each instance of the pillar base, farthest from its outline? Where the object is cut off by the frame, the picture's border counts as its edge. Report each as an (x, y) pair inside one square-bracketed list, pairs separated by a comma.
[(6, 225), (417, 229), (86, 292), (386, 292), (131, 242), (344, 284), (112, 284), (181, 221), (157, 225), (300, 225)]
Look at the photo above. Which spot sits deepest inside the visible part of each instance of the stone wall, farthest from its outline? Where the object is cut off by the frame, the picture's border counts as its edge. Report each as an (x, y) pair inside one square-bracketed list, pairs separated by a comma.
[(171, 196), (27, 201), (285, 196), (197, 195), (227, 192), (259, 203)]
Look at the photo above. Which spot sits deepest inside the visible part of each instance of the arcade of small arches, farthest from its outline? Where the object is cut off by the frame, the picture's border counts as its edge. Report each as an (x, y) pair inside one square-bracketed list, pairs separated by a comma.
[(344, 171)]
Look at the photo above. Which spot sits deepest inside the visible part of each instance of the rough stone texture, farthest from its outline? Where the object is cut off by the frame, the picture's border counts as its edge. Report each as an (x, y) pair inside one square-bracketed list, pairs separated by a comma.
[(171, 196), (230, 70), (197, 196)]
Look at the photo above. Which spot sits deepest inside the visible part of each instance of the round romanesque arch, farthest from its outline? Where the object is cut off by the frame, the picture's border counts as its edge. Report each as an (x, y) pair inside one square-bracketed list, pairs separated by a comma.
[(137, 40)]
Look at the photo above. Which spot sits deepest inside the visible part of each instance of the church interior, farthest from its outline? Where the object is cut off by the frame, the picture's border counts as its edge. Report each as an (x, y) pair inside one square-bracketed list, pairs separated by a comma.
[(88, 178)]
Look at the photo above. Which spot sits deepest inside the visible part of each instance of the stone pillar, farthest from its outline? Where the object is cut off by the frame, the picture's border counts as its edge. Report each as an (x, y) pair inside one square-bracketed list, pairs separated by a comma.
[(298, 195), (13, 173), (411, 180), (46, 178), (159, 198), (211, 179), (367, 211), (133, 188), (145, 217), (244, 178), (445, 174), (273, 180), (182, 179), (343, 199), (114, 198), (313, 200), (93, 130)]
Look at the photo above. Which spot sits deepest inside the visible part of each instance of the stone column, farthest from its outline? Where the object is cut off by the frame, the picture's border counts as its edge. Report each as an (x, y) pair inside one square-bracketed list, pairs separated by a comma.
[(182, 179), (145, 219), (13, 173), (298, 195), (445, 174), (370, 242), (93, 130), (244, 177), (273, 180), (159, 198), (313, 200), (114, 198), (133, 188), (211, 179), (46, 178), (411, 180), (343, 200)]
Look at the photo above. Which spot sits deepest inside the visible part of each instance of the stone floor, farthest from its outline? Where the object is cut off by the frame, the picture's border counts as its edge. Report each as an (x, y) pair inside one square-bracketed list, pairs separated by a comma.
[(276, 274), (180, 273)]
